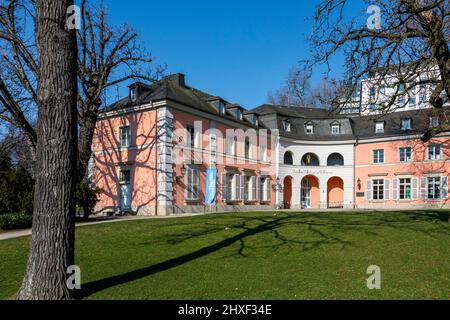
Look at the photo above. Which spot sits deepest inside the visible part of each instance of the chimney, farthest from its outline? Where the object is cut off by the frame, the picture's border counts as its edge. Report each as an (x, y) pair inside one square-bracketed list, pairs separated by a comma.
[(177, 79)]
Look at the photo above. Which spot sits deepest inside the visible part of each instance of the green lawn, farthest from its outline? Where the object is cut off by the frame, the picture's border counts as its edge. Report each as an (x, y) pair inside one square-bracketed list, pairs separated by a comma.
[(257, 256)]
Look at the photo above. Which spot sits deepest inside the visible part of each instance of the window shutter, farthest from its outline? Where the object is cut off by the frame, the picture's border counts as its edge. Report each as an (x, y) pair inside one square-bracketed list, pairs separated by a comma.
[(386, 189), (423, 188), (255, 188), (238, 187), (259, 189), (369, 189), (224, 187), (414, 189), (444, 187), (267, 189), (196, 184), (394, 189), (197, 137), (186, 183), (242, 187)]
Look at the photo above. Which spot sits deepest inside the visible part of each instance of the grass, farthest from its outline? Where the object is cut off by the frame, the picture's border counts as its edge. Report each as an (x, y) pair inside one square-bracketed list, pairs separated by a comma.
[(257, 256)]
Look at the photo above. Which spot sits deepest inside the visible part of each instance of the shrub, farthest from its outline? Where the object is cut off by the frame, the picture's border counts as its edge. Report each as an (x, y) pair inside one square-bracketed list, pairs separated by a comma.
[(15, 221), (16, 188), (87, 197)]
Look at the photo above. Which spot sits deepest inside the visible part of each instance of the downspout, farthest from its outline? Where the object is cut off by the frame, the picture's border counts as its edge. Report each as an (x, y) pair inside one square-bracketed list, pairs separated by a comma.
[(156, 161), (354, 173)]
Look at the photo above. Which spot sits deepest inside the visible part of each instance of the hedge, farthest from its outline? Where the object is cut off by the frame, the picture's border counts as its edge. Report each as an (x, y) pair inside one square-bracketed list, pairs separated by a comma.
[(15, 221)]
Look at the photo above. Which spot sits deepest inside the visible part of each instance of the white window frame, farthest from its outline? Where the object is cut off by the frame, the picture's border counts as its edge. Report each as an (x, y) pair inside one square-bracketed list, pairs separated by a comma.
[(435, 187), (192, 189), (433, 156), (335, 129), (400, 154), (379, 127), (376, 156), (125, 143), (309, 128), (378, 189), (403, 183)]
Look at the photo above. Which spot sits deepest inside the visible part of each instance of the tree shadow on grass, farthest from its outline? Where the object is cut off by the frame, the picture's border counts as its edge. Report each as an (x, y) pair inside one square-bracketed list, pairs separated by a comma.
[(313, 221)]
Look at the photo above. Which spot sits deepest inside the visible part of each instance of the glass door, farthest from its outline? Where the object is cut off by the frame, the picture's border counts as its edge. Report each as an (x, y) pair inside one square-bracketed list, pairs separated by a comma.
[(306, 194)]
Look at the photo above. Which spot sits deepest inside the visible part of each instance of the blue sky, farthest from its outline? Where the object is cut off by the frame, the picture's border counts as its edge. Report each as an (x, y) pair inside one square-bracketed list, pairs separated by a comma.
[(239, 50)]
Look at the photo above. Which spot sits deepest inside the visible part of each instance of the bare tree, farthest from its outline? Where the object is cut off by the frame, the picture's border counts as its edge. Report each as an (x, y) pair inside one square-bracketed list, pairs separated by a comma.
[(295, 89), (108, 56), (298, 91), (18, 70), (53, 236), (401, 41)]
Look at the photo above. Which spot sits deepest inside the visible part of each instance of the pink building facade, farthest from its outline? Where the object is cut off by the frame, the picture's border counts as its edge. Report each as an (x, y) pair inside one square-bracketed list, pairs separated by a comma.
[(170, 149)]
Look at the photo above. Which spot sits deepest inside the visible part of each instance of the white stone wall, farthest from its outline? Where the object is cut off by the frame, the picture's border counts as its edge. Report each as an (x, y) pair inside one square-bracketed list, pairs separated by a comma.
[(323, 172), (165, 161)]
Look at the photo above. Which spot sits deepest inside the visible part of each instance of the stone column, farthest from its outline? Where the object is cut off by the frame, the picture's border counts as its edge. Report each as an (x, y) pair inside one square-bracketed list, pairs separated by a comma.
[(165, 161)]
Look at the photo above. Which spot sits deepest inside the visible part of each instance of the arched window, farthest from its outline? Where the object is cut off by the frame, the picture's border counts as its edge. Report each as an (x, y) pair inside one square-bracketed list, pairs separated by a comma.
[(288, 159), (335, 159), (310, 159)]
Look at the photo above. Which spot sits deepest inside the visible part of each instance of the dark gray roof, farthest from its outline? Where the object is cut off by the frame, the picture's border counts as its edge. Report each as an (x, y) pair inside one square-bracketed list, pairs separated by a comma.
[(301, 112), (364, 127), (272, 116), (170, 88), (360, 127), (322, 129)]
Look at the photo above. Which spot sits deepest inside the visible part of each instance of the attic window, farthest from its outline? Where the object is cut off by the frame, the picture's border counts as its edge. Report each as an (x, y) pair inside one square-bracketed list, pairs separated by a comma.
[(379, 127), (434, 122), (406, 124), (335, 128), (133, 94), (309, 128), (221, 107), (239, 114), (287, 125)]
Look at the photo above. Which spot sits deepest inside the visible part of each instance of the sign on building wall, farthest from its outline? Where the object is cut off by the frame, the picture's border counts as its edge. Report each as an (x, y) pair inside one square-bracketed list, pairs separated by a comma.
[(211, 183)]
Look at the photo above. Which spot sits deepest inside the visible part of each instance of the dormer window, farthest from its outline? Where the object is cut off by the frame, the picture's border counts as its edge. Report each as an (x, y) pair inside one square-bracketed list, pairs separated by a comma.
[(434, 122), (221, 107), (239, 114), (309, 128), (133, 94), (335, 128), (372, 93), (379, 127), (406, 124), (287, 125)]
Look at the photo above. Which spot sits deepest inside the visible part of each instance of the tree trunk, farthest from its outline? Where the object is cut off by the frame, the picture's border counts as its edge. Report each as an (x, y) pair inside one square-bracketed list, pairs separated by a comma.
[(52, 241), (87, 127)]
